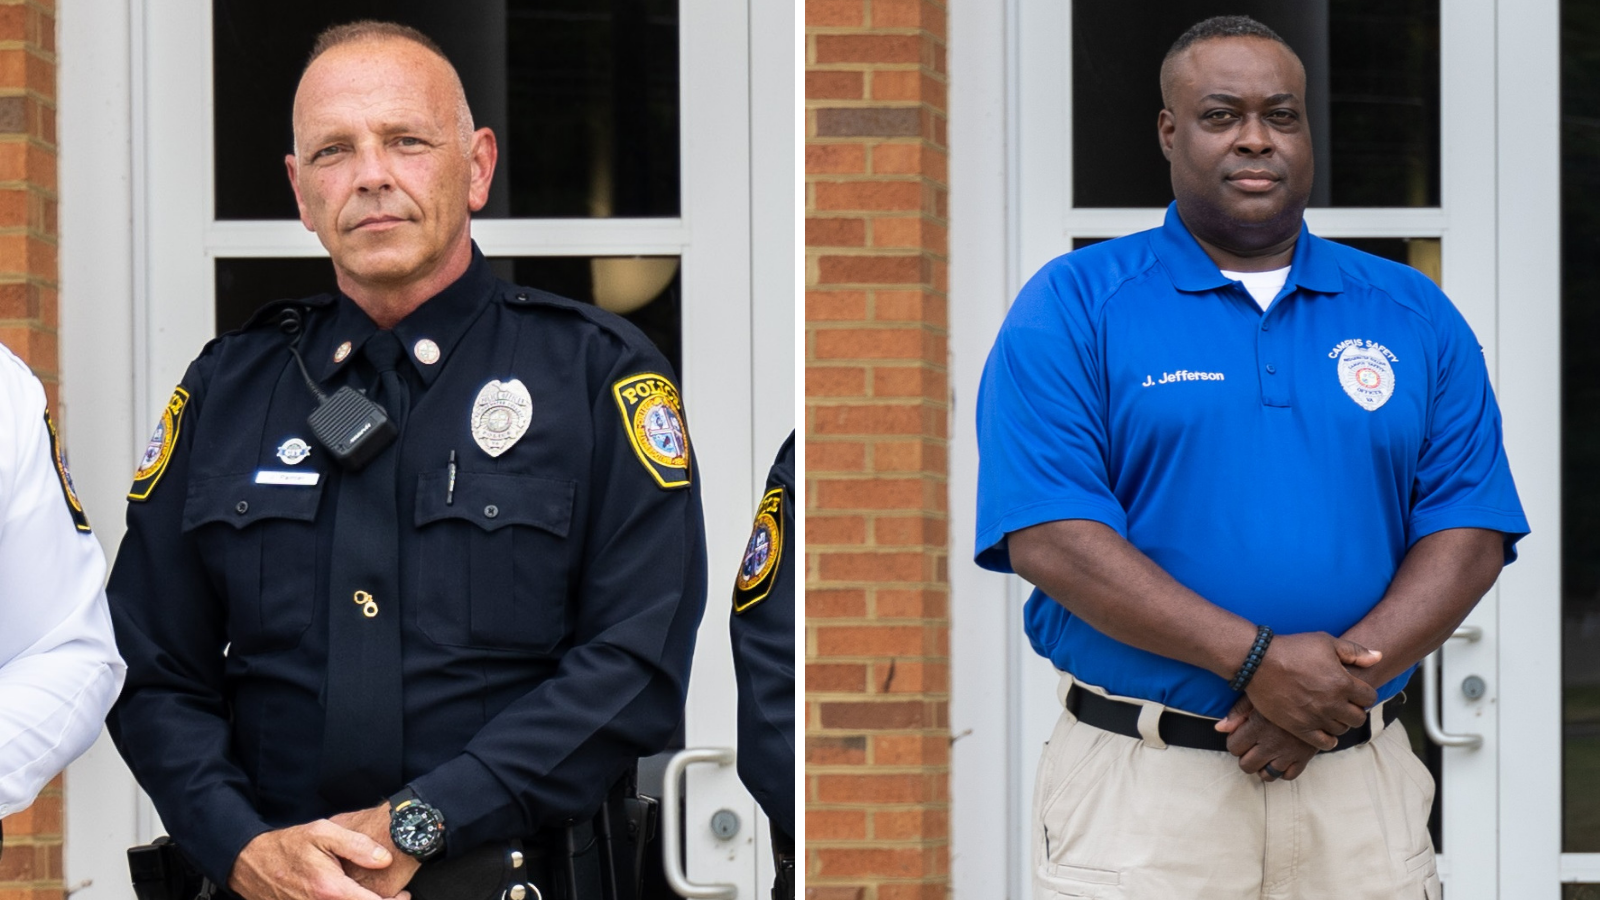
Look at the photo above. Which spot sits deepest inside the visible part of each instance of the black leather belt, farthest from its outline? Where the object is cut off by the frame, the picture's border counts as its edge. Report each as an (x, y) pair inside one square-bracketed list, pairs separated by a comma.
[(1180, 730)]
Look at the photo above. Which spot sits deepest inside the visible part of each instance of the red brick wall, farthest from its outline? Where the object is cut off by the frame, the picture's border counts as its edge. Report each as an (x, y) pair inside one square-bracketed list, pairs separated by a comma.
[(30, 868), (877, 411)]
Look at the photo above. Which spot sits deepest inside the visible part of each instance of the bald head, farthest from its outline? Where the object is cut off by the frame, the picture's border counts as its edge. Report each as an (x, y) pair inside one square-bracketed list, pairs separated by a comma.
[(387, 168), (389, 38)]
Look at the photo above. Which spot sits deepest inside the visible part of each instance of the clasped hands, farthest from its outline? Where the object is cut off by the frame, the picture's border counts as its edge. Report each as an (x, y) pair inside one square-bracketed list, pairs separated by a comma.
[(1301, 699), (347, 857)]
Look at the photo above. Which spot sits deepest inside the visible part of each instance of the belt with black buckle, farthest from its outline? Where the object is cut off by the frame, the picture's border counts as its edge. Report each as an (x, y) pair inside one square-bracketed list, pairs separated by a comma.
[(1180, 730)]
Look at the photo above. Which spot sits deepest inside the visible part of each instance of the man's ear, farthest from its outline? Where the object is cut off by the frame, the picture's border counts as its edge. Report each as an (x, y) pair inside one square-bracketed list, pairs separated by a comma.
[(1166, 126), (483, 152)]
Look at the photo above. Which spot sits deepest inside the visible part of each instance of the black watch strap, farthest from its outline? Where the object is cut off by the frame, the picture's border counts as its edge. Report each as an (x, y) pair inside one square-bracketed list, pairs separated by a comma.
[(403, 796)]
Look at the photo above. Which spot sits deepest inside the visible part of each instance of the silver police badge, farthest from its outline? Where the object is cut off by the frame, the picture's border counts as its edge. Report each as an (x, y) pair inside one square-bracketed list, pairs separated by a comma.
[(500, 415), (1365, 374)]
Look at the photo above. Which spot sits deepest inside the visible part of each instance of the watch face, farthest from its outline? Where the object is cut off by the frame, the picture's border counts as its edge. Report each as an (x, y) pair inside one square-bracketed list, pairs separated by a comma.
[(417, 829)]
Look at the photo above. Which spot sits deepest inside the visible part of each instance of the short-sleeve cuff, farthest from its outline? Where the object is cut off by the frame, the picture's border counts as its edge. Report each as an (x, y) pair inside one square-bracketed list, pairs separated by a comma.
[(1513, 525), (992, 552)]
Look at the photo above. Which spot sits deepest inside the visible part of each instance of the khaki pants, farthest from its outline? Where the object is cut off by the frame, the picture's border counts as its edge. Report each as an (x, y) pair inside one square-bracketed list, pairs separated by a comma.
[(1120, 818)]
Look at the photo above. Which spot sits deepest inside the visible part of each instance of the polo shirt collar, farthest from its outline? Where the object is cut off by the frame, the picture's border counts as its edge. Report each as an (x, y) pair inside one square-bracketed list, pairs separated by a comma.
[(1312, 267), (442, 319)]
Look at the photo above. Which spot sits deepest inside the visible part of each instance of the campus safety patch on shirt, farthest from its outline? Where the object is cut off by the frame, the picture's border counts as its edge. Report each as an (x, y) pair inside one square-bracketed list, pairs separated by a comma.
[(79, 519), (159, 450), (763, 554), (652, 415)]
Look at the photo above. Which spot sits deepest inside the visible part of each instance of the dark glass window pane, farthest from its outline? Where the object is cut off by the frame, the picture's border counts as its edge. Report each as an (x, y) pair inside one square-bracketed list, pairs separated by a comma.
[(582, 95), (244, 285), (1580, 430), (1580, 892), (646, 291), (1372, 69)]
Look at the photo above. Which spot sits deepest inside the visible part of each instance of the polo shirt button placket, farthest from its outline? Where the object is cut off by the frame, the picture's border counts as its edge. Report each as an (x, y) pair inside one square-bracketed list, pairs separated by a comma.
[(1274, 390)]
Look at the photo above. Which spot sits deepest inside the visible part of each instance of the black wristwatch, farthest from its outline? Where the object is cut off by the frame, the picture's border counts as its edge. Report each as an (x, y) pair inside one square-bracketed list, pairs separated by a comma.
[(414, 826)]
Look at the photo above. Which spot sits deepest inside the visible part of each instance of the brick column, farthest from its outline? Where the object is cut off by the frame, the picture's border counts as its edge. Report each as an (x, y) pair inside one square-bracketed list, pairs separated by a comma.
[(31, 866), (877, 411)]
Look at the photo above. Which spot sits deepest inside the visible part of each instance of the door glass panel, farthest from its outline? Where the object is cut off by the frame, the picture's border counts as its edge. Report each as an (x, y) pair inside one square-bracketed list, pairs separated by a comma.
[(646, 291), (582, 96), (1580, 892), (1580, 428), (1372, 69)]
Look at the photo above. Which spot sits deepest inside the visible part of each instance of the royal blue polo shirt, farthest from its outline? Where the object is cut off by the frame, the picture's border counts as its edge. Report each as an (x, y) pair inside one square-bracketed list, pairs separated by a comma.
[(1278, 463)]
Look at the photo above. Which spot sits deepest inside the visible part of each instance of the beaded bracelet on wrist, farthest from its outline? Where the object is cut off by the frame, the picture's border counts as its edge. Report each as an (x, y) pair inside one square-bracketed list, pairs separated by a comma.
[(1258, 650)]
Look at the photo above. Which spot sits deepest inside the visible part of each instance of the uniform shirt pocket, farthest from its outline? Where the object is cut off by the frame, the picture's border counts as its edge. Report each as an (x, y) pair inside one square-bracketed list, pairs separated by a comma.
[(495, 561), (258, 542)]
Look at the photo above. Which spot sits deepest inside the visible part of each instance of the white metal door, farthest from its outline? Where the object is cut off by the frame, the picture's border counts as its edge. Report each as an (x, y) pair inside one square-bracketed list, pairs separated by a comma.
[(1496, 225), (150, 157)]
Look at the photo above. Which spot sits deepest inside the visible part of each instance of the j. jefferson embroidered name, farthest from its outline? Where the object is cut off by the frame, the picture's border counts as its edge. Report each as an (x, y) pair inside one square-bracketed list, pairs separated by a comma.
[(1182, 375)]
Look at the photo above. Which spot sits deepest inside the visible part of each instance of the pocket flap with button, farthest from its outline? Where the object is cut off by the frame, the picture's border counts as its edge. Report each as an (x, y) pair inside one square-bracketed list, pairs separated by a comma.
[(493, 501), (240, 502)]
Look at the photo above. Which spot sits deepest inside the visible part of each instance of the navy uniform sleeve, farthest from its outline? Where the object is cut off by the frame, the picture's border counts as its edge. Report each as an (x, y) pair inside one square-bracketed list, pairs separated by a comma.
[(171, 723), (618, 693), (762, 630), (1463, 478), (1042, 431)]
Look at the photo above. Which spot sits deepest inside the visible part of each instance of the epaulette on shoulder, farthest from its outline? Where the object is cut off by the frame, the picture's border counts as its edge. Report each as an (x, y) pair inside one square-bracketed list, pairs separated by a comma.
[(516, 296)]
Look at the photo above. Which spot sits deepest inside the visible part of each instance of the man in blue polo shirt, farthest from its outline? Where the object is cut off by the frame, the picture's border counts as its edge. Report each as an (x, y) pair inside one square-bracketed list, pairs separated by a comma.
[(1256, 477)]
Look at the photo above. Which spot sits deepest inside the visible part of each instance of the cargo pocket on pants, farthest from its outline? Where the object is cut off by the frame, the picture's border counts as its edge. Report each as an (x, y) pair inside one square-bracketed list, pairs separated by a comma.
[(1067, 881)]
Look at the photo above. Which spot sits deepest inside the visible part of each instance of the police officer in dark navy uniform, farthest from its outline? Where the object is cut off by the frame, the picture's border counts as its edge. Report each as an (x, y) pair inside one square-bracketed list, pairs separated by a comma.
[(763, 662), (413, 570)]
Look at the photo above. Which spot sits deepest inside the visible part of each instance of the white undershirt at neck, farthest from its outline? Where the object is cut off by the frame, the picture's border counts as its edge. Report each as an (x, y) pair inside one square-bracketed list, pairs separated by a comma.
[(1262, 285)]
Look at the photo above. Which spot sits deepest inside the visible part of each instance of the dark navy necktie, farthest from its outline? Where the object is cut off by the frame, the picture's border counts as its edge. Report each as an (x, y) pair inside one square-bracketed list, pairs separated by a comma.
[(363, 736)]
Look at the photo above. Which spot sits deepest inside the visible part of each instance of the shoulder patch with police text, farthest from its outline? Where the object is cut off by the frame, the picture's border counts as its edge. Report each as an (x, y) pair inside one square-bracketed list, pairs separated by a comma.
[(652, 416), (59, 457), (763, 554), (159, 450)]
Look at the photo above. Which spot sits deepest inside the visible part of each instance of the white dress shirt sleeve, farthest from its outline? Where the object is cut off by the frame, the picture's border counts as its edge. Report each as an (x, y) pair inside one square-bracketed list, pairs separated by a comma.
[(59, 668)]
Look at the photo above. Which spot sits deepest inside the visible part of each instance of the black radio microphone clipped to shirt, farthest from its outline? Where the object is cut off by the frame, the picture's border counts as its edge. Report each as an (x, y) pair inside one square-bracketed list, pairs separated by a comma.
[(352, 428)]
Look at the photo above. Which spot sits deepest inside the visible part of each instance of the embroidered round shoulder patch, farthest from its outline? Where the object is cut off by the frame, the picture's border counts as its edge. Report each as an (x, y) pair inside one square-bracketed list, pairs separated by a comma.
[(80, 520), (763, 554), (652, 413), (1366, 375), (156, 454)]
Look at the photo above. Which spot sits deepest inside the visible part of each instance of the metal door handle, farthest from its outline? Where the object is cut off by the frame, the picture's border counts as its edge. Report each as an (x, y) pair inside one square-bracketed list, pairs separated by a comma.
[(672, 824), (1431, 721)]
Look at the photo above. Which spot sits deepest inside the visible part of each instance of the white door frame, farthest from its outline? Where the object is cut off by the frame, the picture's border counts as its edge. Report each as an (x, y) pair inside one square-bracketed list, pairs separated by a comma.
[(138, 249), (1498, 220)]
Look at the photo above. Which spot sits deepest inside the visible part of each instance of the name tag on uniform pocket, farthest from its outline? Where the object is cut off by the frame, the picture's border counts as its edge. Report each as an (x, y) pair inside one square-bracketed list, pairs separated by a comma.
[(295, 479)]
